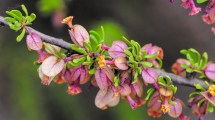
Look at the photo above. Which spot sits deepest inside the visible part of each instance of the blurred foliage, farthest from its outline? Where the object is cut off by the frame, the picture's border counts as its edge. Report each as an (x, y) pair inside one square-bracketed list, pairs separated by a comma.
[(113, 31), (47, 7)]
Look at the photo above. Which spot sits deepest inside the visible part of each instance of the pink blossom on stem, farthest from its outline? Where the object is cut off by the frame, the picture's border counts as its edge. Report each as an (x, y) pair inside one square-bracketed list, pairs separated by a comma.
[(34, 42), (117, 49), (177, 69), (190, 4), (149, 75)]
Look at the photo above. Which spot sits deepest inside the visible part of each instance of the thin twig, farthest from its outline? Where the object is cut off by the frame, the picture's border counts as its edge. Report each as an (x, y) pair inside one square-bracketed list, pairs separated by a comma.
[(63, 44)]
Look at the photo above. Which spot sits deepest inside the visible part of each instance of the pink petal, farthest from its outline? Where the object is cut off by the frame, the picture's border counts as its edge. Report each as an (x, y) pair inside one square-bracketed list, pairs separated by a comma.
[(175, 110), (125, 90), (117, 49), (101, 79), (149, 75), (210, 98), (52, 66), (210, 71), (45, 80), (34, 42), (121, 63), (138, 88)]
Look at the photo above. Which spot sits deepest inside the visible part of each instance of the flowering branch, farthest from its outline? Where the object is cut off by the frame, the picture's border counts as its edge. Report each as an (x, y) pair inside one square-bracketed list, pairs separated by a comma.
[(63, 44)]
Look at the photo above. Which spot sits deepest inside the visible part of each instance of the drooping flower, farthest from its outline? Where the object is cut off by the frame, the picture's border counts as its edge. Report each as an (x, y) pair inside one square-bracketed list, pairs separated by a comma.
[(150, 49), (154, 106), (210, 94), (74, 89), (117, 49), (175, 109), (121, 63), (78, 33), (210, 71), (52, 66), (190, 4), (34, 42), (45, 80), (149, 75), (177, 69), (105, 99)]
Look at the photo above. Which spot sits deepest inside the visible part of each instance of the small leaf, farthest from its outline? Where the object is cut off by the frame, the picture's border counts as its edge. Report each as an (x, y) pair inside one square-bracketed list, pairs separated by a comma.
[(172, 102), (13, 15), (78, 49), (152, 56), (127, 52), (14, 27), (17, 12), (199, 87), (116, 81), (92, 71), (20, 37), (147, 64), (201, 1), (203, 61), (88, 46), (149, 93), (24, 9), (79, 60), (135, 77), (200, 102), (194, 94), (10, 19), (184, 52), (126, 41), (210, 108)]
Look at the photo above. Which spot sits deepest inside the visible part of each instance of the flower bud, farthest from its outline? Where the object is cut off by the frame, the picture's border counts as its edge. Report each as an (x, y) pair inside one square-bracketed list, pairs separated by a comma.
[(117, 49), (34, 42), (154, 106), (79, 35), (210, 71), (150, 49)]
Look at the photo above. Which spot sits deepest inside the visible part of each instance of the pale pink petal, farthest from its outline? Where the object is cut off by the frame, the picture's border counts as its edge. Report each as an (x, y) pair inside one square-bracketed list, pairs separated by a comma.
[(117, 49), (52, 66), (149, 75), (34, 42), (121, 63), (101, 79)]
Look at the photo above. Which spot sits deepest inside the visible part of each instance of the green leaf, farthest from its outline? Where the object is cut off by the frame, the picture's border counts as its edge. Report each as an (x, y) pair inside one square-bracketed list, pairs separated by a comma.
[(172, 102), (199, 87), (135, 78), (149, 93), (20, 37), (201, 1), (160, 62), (33, 17), (194, 94), (10, 19), (92, 71), (173, 88), (116, 81), (24, 9), (151, 56), (189, 70), (88, 46), (79, 60), (14, 27), (127, 52), (78, 49), (203, 61), (184, 66), (17, 12), (126, 41), (193, 56), (200, 102), (210, 108), (184, 52), (147, 64), (13, 15)]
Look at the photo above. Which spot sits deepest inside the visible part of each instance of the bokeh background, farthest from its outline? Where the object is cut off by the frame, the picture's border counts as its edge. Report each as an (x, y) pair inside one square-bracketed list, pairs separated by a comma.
[(22, 97)]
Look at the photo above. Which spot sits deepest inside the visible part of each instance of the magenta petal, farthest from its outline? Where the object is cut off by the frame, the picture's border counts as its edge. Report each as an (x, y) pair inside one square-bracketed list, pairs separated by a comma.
[(149, 75), (117, 49), (175, 110), (34, 42), (101, 79), (210, 71)]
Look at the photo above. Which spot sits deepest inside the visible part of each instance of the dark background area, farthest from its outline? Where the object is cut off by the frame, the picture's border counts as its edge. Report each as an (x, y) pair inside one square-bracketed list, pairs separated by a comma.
[(169, 26)]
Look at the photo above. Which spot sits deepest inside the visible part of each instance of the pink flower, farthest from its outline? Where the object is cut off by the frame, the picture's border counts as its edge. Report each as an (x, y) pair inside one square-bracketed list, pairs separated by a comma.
[(190, 4), (175, 110), (207, 19), (177, 69), (121, 63), (74, 89), (154, 106), (117, 49), (132, 103), (210, 71), (42, 56), (105, 99), (149, 75), (34, 42), (150, 49), (45, 80), (104, 76)]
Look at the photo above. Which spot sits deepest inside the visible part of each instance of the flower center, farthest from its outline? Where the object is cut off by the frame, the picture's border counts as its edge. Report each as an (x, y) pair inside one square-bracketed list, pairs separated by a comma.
[(165, 108), (211, 90), (101, 61), (68, 21)]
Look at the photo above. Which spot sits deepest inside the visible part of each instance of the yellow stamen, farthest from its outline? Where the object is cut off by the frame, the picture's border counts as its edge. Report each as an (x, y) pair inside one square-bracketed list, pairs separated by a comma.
[(211, 90), (101, 61), (165, 108)]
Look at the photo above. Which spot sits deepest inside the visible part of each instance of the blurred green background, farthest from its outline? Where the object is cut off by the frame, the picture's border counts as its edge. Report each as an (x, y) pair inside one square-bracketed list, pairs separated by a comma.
[(22, 97)]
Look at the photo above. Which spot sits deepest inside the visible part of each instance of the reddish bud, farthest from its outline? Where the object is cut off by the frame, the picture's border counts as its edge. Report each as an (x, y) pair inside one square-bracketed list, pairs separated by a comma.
[(74, 89), (177, 69)]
